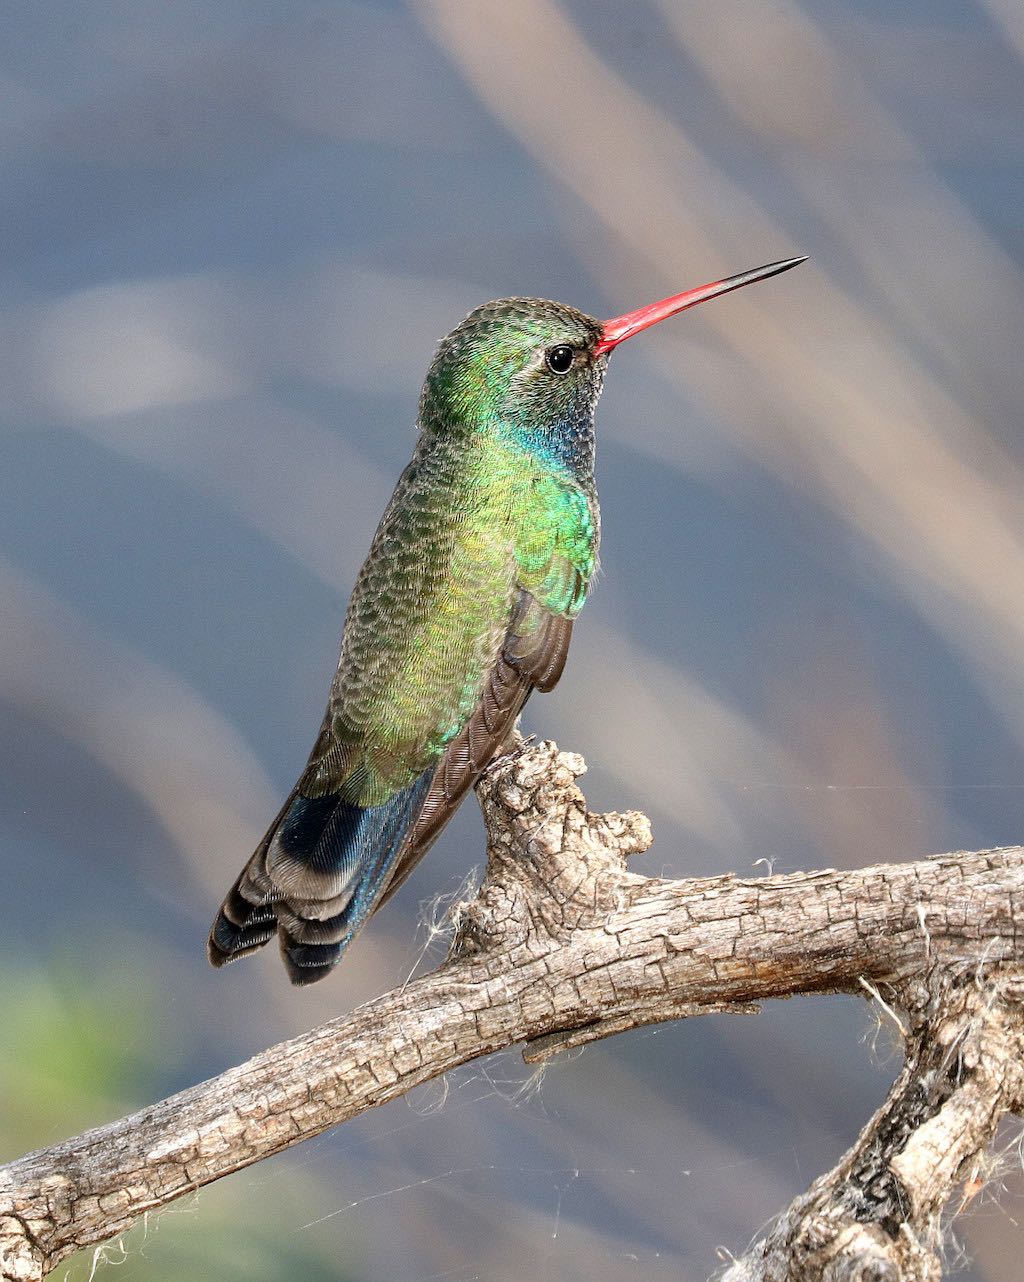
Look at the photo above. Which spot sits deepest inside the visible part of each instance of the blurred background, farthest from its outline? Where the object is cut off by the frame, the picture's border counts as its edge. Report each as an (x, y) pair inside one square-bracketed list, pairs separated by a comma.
[(232, 234)]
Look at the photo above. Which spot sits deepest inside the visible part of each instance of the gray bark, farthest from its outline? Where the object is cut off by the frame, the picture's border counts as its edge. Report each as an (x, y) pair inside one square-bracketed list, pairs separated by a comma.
[(564, 945)]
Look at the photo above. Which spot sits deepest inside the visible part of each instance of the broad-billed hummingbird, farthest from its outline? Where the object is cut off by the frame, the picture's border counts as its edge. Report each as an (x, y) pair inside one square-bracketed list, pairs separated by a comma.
[(465, 605)]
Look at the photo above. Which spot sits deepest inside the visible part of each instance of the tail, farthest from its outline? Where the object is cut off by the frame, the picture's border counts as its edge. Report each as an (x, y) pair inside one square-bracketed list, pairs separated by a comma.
[(315, 878)]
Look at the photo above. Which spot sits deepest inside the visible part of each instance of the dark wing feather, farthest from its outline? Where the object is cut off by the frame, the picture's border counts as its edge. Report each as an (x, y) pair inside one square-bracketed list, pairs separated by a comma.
[(246, 919)]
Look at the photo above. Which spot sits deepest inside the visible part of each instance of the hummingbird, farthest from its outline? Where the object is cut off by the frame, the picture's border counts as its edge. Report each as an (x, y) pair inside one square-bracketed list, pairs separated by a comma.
[(465, 604)]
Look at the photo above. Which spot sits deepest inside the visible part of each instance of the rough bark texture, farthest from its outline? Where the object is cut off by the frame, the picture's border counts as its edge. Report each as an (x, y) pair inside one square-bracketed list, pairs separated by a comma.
[(564, 945)]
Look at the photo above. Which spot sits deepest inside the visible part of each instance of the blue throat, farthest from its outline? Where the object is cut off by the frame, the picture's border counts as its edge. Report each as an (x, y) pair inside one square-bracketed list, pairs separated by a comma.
[(566, 446)]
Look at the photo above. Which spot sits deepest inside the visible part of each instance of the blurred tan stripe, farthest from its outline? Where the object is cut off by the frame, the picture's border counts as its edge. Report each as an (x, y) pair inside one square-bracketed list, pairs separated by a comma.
[(673, 744), (916, 246), (149, 728), (1009, 17)]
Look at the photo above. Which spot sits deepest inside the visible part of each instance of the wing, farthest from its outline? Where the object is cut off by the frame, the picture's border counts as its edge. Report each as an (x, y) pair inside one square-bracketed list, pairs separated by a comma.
[(532, 657), (558, 528), (326, 865)]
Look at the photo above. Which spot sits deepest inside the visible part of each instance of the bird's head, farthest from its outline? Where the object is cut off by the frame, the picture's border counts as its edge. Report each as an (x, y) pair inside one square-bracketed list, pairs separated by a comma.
[(515, 365), (533, 369)]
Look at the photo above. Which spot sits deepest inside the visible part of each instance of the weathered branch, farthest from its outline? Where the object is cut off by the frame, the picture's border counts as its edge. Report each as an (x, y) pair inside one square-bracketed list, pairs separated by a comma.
[(876, 1216), (564, 945)]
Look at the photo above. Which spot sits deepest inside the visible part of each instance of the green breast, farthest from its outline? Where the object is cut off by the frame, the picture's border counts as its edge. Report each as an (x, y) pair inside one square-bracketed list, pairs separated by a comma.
[(466, 528)]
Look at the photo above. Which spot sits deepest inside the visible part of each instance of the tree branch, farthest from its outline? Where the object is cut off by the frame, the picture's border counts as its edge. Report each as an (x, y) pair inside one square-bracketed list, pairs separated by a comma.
[(564, 945)]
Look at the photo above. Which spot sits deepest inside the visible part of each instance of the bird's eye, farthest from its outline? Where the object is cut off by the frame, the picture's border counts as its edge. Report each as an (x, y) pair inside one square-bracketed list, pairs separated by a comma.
[(560, 358)]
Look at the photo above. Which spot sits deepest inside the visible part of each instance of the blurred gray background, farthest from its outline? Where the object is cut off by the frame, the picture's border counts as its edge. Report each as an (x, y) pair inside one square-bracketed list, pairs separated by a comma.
[(232, 233)]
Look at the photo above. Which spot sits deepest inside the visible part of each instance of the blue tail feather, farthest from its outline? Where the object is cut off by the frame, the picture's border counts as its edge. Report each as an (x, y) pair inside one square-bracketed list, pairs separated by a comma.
[(348, 853)]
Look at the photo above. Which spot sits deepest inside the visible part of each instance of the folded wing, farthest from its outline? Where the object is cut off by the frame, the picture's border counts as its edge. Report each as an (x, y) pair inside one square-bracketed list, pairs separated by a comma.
[(326, 864)]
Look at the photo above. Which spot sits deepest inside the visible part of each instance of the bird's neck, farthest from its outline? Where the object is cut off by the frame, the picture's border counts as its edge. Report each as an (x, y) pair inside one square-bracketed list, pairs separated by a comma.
[(566, 447)]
